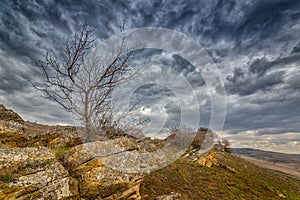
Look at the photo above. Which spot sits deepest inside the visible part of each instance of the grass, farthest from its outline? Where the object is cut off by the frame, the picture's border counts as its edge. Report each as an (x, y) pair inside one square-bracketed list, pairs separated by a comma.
[(6, 177), (47, 162), (194, 181), (61, 151)]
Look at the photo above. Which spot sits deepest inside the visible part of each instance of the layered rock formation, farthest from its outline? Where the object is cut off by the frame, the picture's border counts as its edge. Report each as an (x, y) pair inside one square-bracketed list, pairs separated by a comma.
[(111, 169), (34, 173), (53, 137), (30, 167)]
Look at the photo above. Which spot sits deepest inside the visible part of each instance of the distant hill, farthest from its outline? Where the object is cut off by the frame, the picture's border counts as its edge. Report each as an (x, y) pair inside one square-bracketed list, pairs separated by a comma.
[(267, 155)]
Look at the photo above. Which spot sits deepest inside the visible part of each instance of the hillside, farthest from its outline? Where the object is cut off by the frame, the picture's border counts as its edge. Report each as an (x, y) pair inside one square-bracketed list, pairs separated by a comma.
[(50, 162), (287, 163), (194, 181)]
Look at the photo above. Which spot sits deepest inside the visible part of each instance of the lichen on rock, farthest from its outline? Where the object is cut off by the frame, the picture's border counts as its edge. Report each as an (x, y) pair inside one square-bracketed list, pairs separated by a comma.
[(9, 115), (34, 174), (93, 165)]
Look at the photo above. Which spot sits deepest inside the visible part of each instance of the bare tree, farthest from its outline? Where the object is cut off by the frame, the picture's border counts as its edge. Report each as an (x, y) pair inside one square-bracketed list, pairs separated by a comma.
[(82, 82)]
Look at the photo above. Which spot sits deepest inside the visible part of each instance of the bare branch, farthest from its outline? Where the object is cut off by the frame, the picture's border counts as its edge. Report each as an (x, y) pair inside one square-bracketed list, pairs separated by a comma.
[(83, 82)]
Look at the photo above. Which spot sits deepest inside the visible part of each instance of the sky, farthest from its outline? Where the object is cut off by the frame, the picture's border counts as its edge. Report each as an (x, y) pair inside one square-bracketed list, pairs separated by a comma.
[(255, 45)]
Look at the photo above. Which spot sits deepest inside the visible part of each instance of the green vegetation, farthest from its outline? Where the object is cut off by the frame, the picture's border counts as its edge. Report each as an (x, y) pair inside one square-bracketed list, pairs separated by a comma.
[(7, 177), (194, 181), (61, 151), (47, 162)]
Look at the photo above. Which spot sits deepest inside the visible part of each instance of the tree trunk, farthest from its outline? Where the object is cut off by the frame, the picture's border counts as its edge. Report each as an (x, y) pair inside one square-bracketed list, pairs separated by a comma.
[(87, 119)]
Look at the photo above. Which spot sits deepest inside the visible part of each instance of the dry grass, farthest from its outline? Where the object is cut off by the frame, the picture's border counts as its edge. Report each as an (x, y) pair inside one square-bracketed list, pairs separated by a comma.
[(193, 181)]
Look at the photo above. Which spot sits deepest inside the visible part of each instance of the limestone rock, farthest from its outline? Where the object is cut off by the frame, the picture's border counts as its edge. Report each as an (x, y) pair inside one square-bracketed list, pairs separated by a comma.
[(110, 169), (208, 160), (201, 143), (33, 173), (212, 159), (281, 195), (88, 151), (12, 134), (53, 137), (9, 115), (203, 139), (64, 138), (172, 196)]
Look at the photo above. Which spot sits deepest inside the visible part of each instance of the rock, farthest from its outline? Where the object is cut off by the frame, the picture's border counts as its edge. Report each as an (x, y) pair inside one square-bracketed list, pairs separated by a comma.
[(203, 139), (198, 145), (12, 134), (9, 115), (230, 169), (280, 195), (64, 138), (211, 159), (103, 182), (132, 193), (172, 196), (33, 173), (54, 137), (110, 169), (208, 160), (88, 151)]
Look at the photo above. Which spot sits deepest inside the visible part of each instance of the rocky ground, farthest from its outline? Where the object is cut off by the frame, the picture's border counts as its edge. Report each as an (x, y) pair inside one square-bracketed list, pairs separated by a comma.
[(51, 162)]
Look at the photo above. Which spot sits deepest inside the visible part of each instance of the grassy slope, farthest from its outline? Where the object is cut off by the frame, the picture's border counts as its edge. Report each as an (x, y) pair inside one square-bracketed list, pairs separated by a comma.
[(193, 181)]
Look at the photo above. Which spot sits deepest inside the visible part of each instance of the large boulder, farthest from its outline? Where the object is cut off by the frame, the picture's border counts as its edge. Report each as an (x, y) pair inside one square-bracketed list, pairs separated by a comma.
[(86, 152), (110, 169), (33, 173)]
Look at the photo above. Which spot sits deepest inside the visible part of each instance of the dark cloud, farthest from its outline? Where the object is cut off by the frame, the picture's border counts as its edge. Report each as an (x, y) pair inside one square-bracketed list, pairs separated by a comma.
[(262, 65), (296, 48), (271, 118), (294, 81), (264, 20), (261, 74), (238, 84)]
